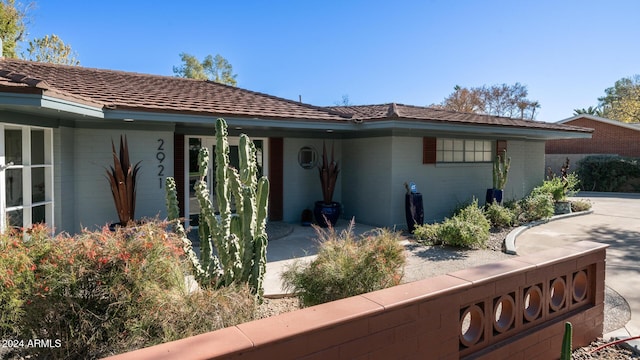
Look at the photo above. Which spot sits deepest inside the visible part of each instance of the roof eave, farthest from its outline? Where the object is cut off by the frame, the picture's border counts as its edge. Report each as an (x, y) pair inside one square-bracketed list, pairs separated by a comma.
[(51, 103)]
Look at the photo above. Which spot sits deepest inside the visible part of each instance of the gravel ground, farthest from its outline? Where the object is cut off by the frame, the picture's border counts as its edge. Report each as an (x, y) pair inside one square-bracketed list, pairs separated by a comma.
[(420, 265)]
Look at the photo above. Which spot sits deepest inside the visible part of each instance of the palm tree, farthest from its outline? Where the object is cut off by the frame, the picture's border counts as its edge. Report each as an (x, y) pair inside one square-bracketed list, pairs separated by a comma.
[(591, 110)]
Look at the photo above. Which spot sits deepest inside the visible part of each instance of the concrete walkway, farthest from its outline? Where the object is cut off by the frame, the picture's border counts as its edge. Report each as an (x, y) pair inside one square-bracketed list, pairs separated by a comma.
[(615, 221)]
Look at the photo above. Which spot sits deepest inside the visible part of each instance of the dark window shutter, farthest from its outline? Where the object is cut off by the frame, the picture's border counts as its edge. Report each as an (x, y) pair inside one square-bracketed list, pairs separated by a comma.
[(428, 150), (501, 146), (178, 169), (276, 179)]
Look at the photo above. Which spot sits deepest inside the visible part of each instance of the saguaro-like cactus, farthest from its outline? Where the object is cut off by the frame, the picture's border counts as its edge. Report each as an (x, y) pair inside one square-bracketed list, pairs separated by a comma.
[(233, 247), (501, 170), (565, 354)]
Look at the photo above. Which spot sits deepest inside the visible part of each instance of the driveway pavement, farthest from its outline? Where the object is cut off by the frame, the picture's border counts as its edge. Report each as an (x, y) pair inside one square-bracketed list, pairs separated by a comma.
[(615, 221)]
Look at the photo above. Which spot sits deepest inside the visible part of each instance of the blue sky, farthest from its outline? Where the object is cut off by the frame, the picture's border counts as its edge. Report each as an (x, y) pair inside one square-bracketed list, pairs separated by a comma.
[(412, 52)]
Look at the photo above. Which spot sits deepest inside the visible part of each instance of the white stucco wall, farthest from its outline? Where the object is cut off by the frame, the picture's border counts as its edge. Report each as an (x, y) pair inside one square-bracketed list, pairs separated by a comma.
[(302, 186), (375, 170), (64, 179), (367, 185), (92, 154)]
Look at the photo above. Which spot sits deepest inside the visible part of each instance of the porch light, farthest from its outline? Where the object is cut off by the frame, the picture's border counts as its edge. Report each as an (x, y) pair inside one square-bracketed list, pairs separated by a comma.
[(329, 130), (128, 120)]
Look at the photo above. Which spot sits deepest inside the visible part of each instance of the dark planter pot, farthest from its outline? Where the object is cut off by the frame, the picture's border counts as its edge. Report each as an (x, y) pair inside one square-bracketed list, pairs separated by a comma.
[(414, 210), (562, 207), (493, 194), (326, 214)]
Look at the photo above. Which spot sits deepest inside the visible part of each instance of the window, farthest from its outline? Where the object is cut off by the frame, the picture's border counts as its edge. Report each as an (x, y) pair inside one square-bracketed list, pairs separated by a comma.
[(26, 161), (463, 150)]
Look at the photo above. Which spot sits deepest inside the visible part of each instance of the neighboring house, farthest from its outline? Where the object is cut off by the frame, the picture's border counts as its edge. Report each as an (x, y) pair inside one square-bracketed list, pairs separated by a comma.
[(57, 124), (609, 137)]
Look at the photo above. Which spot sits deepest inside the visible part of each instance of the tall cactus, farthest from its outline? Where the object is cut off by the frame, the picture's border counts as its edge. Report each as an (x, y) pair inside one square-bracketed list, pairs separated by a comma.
[(501, 167), (565, 354), (233, 246)]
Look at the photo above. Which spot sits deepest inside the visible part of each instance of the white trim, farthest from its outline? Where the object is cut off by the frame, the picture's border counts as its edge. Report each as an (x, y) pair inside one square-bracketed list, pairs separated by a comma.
[(26, 167), (210, 141)]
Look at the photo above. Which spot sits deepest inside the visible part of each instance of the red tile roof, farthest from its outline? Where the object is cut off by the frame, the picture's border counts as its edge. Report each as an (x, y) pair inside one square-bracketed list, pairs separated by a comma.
[(408, 112), (132, 91), (109, 89)]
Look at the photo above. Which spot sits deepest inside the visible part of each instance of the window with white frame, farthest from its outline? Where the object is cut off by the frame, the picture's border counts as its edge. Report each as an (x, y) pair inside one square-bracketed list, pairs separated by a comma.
[(26, 179), (463, 150)]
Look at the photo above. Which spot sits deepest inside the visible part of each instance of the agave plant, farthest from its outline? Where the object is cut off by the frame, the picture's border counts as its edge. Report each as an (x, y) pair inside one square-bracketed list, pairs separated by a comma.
[(122, 178)]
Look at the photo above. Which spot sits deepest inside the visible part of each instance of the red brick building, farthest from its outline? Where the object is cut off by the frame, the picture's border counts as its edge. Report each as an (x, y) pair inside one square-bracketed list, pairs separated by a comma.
[(609, 137)]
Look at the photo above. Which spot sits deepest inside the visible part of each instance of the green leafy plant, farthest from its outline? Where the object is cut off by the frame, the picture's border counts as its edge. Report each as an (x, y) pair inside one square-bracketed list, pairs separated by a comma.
[(501, 167), (106, 292), (347, 265), (122, 179), (608, 173), (428, 234), (328, 172), (536, 206), (233, 246), (498, 215)]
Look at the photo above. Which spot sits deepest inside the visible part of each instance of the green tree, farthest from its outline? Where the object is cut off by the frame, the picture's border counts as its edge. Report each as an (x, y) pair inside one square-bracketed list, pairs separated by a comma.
[(591, 110), (216, 69), (622, 101), (12, 26), (499, 100), (51, 49)]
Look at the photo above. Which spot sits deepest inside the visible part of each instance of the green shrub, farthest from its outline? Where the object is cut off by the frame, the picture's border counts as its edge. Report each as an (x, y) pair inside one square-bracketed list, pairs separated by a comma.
[(580, 205), (536, 207), (347, 266), (469, 228), (607, 172), (428, 234), (499, 216), (556, 187), (102, 293)]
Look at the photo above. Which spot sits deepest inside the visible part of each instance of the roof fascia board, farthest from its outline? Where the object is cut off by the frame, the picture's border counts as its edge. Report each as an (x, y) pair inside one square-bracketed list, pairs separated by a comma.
[(231, 120), (600, 119), (492, 130), (48, 102)]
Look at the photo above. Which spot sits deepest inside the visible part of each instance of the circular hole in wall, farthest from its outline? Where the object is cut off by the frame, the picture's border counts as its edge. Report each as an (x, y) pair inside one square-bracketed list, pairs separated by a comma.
[(580, 286), (532, 303), (471, 325), (556, 293), (504, 311)]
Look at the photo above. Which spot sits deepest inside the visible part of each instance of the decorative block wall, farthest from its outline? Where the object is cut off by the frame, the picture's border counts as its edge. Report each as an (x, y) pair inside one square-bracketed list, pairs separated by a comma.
[(514, 309)]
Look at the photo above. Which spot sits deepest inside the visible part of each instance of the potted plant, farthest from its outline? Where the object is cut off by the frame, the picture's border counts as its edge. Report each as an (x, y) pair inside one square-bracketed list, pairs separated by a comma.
[(500, 172), (563, 186), (327, 211), (122, 179)]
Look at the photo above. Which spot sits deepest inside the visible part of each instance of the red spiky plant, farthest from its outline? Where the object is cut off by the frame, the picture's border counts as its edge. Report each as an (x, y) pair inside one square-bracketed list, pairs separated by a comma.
[(122, 178), (328, 175)]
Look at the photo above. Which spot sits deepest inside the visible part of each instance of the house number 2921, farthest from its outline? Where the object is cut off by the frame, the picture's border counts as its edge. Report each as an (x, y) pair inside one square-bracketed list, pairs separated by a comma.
[(160, 156)]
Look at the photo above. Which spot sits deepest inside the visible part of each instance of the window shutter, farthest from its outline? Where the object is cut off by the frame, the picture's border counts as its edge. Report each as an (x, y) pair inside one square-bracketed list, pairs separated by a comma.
[(428, 150), (501, 146)]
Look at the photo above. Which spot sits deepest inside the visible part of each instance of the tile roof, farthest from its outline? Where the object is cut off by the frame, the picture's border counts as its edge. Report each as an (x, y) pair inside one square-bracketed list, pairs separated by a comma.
[(133, 91), (110, 89), (408, 112)]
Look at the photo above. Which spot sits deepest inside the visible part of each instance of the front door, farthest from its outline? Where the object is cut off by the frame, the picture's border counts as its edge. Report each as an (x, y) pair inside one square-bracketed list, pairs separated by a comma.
[(194, 146), (26, 176)]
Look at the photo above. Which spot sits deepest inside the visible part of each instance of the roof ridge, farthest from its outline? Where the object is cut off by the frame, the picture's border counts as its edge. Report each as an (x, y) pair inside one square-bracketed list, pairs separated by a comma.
[(393, 111)]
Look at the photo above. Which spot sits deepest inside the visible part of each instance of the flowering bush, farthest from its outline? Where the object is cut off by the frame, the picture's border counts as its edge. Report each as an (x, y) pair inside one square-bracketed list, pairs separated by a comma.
[(105, 292)]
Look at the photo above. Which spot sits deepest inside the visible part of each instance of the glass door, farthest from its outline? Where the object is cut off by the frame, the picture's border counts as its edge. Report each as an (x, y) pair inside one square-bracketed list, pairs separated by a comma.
[(26, 173), (194, 146)]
